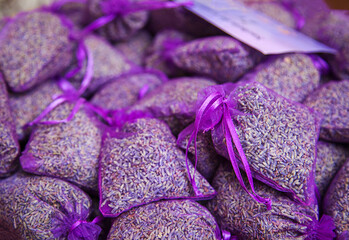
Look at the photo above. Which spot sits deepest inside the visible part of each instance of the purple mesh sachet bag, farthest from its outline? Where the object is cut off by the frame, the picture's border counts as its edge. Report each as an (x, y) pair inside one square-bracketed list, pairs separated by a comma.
[(329, 159), (158, 57), (136, 47), (331, 100), (126, 90), (333, 30), (3, 22), (67, 150), (33, 207), (277, 137), (142, 164), (176, 219), (336, 201), (293, 76), (34, 47), (125, 25), (108, 63), (75, 10), (279, 10), (174, 101), (9, 147), (27, 106), (222, 58), (248, 219), (183, 20)]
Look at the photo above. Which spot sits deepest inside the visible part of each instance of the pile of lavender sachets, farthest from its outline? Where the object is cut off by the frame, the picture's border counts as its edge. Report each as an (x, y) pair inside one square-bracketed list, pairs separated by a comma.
[(137, 119)]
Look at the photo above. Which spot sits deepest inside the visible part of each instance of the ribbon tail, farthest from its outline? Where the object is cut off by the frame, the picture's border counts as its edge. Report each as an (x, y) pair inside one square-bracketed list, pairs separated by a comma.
[(76, 108), (230, 135), (89, 71), (105, 114), (61, 99), (100, 22)]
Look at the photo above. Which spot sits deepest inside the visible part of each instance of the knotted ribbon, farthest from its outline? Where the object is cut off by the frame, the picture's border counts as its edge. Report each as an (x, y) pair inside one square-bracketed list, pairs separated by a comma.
[(79, 222), (323, 229), (214, 110)]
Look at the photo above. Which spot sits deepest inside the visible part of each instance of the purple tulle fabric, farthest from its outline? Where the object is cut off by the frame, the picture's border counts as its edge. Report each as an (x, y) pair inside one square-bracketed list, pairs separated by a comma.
[(22, 61), (336, 202), (34, 207), (125, 17), (174, 101), (145, 154), (222, 58), (251, 220), (173, 219), (293, 76), (331, 100), (247, 116), (159, 53), (182, 20), (9, 146)]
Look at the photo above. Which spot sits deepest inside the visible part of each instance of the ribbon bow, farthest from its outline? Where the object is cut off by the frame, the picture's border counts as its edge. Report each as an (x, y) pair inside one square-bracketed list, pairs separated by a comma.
[(214, 110)]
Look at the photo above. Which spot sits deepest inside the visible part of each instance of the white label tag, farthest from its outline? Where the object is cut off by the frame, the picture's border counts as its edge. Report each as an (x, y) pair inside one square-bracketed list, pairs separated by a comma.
[(254, 28)]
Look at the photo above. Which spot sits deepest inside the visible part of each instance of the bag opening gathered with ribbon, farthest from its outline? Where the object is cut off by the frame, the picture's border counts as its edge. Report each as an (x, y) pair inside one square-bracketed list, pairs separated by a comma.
[(34, 207), (268, 136)]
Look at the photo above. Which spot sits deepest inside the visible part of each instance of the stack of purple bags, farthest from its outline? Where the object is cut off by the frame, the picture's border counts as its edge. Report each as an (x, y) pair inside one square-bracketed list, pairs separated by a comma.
[(139, 120)]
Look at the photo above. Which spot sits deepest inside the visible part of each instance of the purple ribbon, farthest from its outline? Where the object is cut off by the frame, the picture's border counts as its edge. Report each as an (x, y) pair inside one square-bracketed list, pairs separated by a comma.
[(70, 93), (112, 8), (320, 64), (143, 91), (208, 111)]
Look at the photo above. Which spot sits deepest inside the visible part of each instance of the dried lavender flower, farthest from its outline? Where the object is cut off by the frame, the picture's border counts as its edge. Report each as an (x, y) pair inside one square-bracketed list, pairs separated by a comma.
[(27, 106), (9, 147), (176, 219), (142, 164), (220, 57), (329, 159), (183, 20), (333, 30), (174, 101), (108, 63), (278, 137), (136, 47), (33, 207), (67, 150), (124, 91), (34, 47), (248, 219), (124, 26), (331, 100), (336, 201), (276, 10), (158, 57), (293, 76)]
